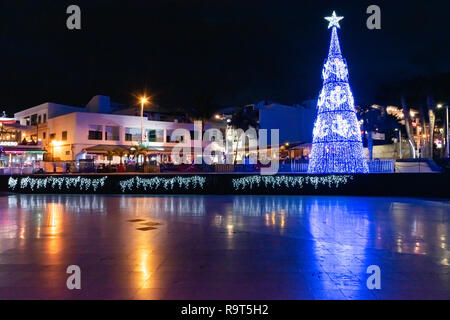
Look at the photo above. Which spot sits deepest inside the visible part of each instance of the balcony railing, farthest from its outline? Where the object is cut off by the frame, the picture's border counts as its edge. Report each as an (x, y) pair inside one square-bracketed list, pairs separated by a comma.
[(375, 166)]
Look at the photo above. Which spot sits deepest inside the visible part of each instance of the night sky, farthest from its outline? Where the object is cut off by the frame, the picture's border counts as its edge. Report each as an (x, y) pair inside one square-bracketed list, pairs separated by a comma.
[(233, 52)]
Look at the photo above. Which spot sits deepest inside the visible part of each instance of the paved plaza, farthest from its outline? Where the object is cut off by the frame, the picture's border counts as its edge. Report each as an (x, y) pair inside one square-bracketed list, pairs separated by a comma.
[(223, 247)]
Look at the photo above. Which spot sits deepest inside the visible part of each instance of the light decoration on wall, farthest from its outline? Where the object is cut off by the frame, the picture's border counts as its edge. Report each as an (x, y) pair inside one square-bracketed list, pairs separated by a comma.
[(337, 144), (275, 182), (56, 183), (137, 183)]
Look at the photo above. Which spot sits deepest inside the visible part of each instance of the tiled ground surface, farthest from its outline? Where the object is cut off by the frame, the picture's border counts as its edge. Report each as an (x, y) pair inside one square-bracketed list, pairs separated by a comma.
[(223, 247)]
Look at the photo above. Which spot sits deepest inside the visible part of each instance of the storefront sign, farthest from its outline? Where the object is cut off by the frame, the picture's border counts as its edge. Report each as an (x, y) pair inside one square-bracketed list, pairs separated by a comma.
[(8, 143)]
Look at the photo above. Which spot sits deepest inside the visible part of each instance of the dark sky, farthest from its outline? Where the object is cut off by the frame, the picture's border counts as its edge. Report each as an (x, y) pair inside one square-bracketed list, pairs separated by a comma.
[(236, 52)]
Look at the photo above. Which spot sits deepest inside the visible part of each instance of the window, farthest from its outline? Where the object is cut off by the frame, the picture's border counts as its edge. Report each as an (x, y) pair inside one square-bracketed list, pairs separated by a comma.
[(39, 118), (155, 135), (132, 134), (52, 136), (112, 133), (45, 118), (44, 135), (169, 139), (64, 136), (95, 132), (34, 118)]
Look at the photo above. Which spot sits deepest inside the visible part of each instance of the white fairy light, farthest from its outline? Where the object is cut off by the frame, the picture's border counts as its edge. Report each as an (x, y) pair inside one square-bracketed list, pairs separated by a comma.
[(144, 184), (337, 143), (293, 182), (57, 183), (333, 20)]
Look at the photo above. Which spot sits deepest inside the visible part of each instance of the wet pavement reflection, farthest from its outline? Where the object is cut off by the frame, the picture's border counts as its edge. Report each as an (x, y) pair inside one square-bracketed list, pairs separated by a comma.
[(223, 247)]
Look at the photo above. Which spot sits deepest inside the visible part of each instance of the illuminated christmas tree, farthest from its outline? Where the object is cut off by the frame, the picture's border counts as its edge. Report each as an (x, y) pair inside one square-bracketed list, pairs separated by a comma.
[(337, 144)]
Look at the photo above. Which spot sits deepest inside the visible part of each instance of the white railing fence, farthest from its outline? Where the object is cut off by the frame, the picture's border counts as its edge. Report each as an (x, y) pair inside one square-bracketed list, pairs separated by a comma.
[(381, 166), (299, 166), (375, 166)]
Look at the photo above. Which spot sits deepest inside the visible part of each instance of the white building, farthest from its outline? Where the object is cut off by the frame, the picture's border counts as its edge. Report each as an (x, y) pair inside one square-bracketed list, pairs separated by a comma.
[(73, 133)]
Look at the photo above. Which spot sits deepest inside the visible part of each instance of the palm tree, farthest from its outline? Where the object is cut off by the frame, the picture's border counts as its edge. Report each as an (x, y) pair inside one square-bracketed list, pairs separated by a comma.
[(135, 151), (412, 145), (120, 153), (371, 121), (432, 119), (243, 118), (110, 155), (418, 92)]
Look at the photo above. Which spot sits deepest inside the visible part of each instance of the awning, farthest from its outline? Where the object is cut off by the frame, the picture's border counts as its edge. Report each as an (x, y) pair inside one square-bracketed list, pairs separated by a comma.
[(103, 149)]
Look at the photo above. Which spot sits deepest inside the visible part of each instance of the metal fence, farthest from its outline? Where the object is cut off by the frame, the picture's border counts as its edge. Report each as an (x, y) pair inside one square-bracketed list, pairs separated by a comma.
[(375, 166), (299, 166), (294, 166), (381, 166)]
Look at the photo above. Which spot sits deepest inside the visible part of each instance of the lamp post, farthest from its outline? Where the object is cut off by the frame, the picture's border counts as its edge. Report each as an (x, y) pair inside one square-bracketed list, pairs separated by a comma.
[(53, 143), (399, 142), (447, 154), (143, 101)]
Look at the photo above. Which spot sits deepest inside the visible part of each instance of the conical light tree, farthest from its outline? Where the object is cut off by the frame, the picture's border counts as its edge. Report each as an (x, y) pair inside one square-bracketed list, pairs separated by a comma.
[(337, 144)]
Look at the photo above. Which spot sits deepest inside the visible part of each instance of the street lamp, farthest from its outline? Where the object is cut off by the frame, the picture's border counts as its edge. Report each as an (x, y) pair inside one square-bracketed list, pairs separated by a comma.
[(54, 143), (144, 100), (439, 106), (400, 142)]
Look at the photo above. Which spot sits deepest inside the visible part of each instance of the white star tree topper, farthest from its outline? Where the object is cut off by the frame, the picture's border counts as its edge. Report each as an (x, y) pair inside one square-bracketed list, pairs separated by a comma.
[(333, 20)]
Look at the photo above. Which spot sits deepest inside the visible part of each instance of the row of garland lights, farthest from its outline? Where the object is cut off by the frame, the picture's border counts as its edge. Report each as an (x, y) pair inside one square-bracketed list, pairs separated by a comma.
[(67, 183), (289, 181), (194, 182), (85, 184), (138, 183)]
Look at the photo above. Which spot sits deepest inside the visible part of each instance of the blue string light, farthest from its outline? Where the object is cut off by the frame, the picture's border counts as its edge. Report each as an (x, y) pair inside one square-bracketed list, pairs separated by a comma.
[(142, 184), (290, 182), (56, 183), (337, 144)]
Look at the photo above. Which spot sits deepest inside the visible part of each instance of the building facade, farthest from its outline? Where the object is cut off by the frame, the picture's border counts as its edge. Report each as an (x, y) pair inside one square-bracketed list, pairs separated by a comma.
[(70, 133)]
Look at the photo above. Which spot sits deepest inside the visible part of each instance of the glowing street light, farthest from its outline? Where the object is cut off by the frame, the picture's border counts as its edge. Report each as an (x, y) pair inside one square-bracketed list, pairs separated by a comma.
[(54, 144), (144, 100)]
